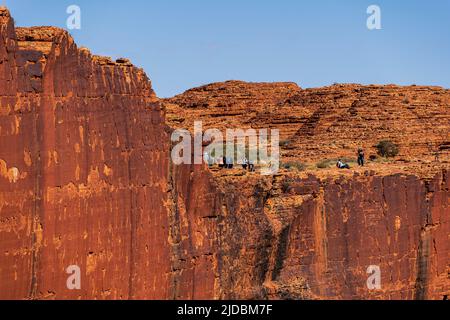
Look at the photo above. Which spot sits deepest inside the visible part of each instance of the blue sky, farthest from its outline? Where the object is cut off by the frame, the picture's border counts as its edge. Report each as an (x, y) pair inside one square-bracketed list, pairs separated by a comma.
[(182, 44)]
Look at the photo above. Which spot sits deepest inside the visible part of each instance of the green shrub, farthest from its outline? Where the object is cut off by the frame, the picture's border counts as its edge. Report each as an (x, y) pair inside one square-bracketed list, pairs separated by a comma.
[(294, 165), (324, 164), (387, 149)]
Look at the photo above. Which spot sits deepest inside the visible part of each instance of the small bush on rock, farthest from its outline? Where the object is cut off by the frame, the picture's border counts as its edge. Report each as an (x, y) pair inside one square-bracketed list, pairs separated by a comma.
[(387, 149)]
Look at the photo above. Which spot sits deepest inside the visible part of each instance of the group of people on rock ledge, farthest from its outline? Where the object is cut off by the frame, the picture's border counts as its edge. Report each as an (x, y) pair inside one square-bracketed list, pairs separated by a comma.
[(361, 161), (227, 163)]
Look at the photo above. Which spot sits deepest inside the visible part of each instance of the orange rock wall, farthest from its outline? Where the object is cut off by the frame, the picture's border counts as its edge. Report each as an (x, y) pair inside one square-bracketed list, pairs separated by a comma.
[(397, 222), (309, 238), (84, 155)]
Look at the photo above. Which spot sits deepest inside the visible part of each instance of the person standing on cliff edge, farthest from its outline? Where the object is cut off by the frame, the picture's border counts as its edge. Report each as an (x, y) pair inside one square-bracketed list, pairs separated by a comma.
[(361, 157)]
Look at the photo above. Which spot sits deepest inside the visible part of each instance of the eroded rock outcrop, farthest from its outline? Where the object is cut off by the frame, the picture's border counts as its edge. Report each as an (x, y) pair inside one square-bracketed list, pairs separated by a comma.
[(86, 180), (313, 234), (324, 122)]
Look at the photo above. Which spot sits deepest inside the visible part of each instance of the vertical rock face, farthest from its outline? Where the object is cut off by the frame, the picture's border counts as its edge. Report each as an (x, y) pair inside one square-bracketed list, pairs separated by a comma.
[(298, 236), (74, 194), (397, 222), (86, 180), (84, 174)]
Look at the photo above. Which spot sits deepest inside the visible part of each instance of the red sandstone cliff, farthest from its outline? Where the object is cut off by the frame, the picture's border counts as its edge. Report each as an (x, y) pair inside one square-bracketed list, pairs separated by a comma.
[(85, 175), (86, 179)]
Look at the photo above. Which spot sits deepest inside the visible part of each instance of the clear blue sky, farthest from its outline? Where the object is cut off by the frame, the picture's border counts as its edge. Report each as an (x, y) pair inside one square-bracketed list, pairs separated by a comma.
[(183, 44)]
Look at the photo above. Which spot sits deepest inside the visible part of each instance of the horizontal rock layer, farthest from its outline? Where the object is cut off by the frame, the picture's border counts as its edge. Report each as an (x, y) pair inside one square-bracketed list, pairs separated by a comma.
[(321, 123)]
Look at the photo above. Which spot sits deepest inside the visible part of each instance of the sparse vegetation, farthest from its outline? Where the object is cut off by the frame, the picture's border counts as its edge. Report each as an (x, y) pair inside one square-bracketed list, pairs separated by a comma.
[(387, 149), (323, 164), (294, 165)]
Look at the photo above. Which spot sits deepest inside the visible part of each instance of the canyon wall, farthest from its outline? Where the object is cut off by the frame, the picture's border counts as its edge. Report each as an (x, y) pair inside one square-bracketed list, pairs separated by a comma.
[(303, 237), (84, 159), (86, 180)]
